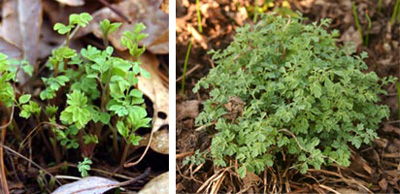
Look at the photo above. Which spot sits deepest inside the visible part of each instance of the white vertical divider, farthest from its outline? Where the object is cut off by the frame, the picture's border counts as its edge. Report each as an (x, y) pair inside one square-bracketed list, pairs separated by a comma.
[(172, 96)]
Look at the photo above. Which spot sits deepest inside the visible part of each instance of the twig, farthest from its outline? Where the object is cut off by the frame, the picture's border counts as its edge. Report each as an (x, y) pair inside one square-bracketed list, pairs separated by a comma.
[(11, 118), (181, 155), (189, 72), (3, 176), (105, 3), (27, 159), (144, 153)]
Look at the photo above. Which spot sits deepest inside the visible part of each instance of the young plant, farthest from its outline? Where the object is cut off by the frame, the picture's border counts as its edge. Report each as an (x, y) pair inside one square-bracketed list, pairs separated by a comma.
[(84, 167), (285, 88), (101, 92), (106, 28)]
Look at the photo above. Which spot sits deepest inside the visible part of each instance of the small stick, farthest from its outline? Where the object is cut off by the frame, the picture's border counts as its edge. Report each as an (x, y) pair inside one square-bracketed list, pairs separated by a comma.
[(144, 153), (182, 155), (27, 159), (11, 119), (189, 72), (105, 3)]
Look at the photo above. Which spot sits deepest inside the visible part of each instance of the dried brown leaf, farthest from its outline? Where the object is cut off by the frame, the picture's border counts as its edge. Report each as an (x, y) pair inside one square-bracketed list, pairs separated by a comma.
[(157, 185), (9, 49), (187, 109), (30, 21), (156, 90)]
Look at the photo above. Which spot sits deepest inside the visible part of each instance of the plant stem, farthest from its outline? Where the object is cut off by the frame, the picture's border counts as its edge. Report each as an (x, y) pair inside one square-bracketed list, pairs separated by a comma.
[(398, 95), (199, 16), (355, 14), (115, 140), (56, 69), (68, 39), (124, 155), (256, 7), (368, 29), (185, 66), (380, 6), (396, 9)]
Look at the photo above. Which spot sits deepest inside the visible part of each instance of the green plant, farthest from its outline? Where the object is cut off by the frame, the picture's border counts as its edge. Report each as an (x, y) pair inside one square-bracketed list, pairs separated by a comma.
[(84, 167), (100, 90), (185, 66), (285, 88), (398, 97), (106, 28), (396, 13), (355, 15), (196, 159)]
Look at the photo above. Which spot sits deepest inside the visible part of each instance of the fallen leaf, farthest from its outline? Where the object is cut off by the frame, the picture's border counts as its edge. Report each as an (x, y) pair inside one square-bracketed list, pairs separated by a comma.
[(155, 90), (72, 2), (160, 184), (21, 27), (9, 30), (9, 49), (160, 142), (147, 12), (88, 185), (187, 109), (383, 184), (351, 35), (30, 21), (389, 128), (60, 13)]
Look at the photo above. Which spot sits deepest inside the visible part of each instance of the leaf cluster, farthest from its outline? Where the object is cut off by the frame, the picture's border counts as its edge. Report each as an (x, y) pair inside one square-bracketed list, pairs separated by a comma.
[(100, 90), (304, 97)]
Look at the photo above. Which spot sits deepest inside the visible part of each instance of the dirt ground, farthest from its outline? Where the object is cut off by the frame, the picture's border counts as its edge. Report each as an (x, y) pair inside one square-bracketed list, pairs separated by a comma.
[(375, 168)]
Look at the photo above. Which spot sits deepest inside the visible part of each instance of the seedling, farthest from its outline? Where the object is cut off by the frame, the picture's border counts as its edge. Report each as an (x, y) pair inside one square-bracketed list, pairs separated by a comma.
[(100, 89), (285, 88), (185, 66)]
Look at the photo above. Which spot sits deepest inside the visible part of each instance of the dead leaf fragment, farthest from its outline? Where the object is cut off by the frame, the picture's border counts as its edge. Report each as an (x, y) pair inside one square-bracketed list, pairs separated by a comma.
[(72, 2), (157, 185), (9, 30), (351, 35), (9, 49), (187, 109), (383, 184), (30, 21), (88, 185), (156, 90), (159, 143)]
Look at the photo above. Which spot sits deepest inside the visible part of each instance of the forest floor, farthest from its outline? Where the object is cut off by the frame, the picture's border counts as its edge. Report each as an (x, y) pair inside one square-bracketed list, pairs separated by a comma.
[(375, 168)]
